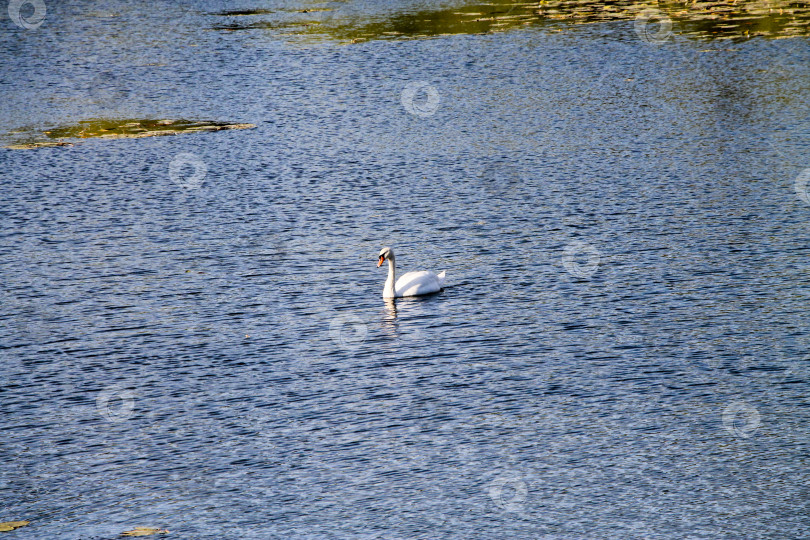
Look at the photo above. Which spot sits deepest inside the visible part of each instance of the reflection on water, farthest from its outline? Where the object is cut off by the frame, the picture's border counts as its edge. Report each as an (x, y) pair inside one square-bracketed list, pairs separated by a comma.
[(348, 21)]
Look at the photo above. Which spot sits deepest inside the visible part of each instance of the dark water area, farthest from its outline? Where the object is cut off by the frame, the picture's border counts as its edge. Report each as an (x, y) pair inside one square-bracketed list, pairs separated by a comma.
[(193, 335)]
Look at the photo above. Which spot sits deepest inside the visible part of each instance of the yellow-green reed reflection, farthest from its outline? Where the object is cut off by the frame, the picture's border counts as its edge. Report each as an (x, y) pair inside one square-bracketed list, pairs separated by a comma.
[(347, 21)]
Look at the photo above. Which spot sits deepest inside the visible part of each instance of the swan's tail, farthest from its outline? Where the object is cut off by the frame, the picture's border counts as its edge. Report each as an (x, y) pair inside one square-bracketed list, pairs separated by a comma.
[(441, 276)]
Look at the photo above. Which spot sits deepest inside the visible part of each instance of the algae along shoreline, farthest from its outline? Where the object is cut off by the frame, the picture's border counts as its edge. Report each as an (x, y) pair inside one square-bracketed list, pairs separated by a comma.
[(100, 128), (351, 21)]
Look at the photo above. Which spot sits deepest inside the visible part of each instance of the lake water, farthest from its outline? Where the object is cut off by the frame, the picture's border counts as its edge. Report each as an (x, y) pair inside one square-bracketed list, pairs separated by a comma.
[(193, 331)]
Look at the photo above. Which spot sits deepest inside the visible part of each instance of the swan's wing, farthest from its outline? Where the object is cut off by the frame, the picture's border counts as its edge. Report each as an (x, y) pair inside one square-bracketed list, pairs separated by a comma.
[(440, 277), (416, 283)]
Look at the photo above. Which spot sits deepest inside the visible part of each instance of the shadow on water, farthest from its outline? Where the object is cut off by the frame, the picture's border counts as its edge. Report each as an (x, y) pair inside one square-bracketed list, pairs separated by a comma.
[(347, 21)]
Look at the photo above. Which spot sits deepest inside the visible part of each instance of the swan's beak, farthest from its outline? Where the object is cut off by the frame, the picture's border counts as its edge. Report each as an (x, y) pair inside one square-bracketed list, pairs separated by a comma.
[(379, 263)]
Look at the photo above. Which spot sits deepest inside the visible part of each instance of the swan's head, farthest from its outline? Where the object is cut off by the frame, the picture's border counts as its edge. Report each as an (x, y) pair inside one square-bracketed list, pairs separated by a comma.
[(385, 253)]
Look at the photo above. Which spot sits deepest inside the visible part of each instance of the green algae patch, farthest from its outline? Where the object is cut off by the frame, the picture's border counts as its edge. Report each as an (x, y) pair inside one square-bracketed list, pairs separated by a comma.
[(11, 525), (349, 21), (37, 144), (144, 531), (114, 129)]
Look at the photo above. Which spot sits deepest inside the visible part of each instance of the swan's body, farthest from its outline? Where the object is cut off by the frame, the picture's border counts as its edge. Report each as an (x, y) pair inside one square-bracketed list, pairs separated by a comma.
[(411, 283)]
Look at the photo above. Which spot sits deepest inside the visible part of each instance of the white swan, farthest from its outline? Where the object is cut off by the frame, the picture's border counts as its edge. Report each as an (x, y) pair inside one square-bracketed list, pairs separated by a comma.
[(410, 284)]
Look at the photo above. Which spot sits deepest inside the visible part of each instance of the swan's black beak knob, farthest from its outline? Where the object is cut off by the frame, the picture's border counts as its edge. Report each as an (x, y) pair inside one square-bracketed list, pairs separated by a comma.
[(379, 263)]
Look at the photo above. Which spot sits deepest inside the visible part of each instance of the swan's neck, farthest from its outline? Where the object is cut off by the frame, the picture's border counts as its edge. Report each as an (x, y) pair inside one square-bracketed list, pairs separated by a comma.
[(388, 290)]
